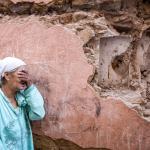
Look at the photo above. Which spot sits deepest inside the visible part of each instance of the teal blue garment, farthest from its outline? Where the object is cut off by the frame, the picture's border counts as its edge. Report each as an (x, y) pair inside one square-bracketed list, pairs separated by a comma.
[(15, 130)]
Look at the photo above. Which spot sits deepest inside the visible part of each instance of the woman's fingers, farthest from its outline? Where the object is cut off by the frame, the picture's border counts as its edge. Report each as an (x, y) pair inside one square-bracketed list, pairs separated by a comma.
[(22, 72), (24, 76)]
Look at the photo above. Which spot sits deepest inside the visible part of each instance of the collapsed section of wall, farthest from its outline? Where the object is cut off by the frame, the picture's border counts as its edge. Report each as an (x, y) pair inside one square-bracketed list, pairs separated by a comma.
[(115, 38)]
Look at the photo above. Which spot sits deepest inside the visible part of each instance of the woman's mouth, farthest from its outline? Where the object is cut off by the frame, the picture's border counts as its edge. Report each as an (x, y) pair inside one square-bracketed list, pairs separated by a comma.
[(23, 82), (23, 85)]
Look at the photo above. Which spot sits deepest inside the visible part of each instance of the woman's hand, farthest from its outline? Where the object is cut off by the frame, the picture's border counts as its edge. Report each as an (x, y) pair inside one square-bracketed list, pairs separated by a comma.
[(24, 77)]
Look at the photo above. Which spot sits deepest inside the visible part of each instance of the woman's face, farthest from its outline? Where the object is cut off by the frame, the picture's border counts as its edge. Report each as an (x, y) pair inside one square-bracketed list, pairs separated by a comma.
[(13, 80)]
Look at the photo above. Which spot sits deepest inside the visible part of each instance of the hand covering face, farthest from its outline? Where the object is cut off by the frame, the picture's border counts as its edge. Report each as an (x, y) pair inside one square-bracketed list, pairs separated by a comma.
[(9, 64)]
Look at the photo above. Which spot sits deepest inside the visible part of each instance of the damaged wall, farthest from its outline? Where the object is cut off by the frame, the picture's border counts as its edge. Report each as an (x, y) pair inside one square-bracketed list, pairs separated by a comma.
[(92, 59)]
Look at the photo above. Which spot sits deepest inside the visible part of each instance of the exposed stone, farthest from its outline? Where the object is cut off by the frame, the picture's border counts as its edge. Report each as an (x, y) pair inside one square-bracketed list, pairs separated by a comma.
[(113, 67), (59, 6), (21, 8), (131, 98), (79, 16), (138, 108), (147, 105), (60, 70), (35, 1), (129, 68), (46, 143), (146, 112), (86, 34), (98, 4), (80, 2)]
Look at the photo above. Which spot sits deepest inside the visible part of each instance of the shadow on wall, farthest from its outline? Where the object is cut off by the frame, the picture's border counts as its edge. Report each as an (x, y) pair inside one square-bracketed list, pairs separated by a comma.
[(47, 143)]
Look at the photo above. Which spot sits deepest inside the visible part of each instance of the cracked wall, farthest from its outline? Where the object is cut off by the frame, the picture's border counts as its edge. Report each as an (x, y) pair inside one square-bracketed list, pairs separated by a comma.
[(115, 37)]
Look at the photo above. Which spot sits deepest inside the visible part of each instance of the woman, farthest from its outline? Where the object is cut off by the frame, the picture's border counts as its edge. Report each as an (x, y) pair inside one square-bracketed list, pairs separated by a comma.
[(20, 101)]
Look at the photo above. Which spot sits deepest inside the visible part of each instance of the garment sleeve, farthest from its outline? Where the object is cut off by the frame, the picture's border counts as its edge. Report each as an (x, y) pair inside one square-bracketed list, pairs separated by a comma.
[(35, 103), (1, 145)]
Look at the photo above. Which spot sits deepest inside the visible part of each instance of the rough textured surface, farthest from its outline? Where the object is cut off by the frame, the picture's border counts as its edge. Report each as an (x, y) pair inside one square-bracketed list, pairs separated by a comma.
[(74, 112), (47, 143), (57, 6), (113, 72), (115, 38), (35, 1)]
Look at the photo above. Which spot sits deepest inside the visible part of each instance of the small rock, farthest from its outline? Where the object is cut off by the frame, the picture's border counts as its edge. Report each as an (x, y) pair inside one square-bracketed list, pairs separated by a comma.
[(21, 8), (88, 50), (137, 107), (65, 18), (79, 2), (86, 34), (147, 118), (146, 112), (147, 106), (35, 1), (78, 16)]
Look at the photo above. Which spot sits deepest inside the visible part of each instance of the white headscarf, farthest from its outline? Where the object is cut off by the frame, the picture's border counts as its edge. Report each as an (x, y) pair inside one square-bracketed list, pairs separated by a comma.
[(9, 64)]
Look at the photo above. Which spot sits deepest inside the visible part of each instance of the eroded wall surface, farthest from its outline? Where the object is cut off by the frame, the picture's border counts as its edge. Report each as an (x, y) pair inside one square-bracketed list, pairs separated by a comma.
[(90, 60)]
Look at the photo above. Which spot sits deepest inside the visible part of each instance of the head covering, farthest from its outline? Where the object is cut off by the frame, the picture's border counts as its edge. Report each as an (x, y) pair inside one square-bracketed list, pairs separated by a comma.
[(9, 64)]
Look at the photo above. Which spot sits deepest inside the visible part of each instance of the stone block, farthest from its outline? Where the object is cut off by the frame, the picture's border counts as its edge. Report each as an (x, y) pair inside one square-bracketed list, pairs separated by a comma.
[(111, 48)]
